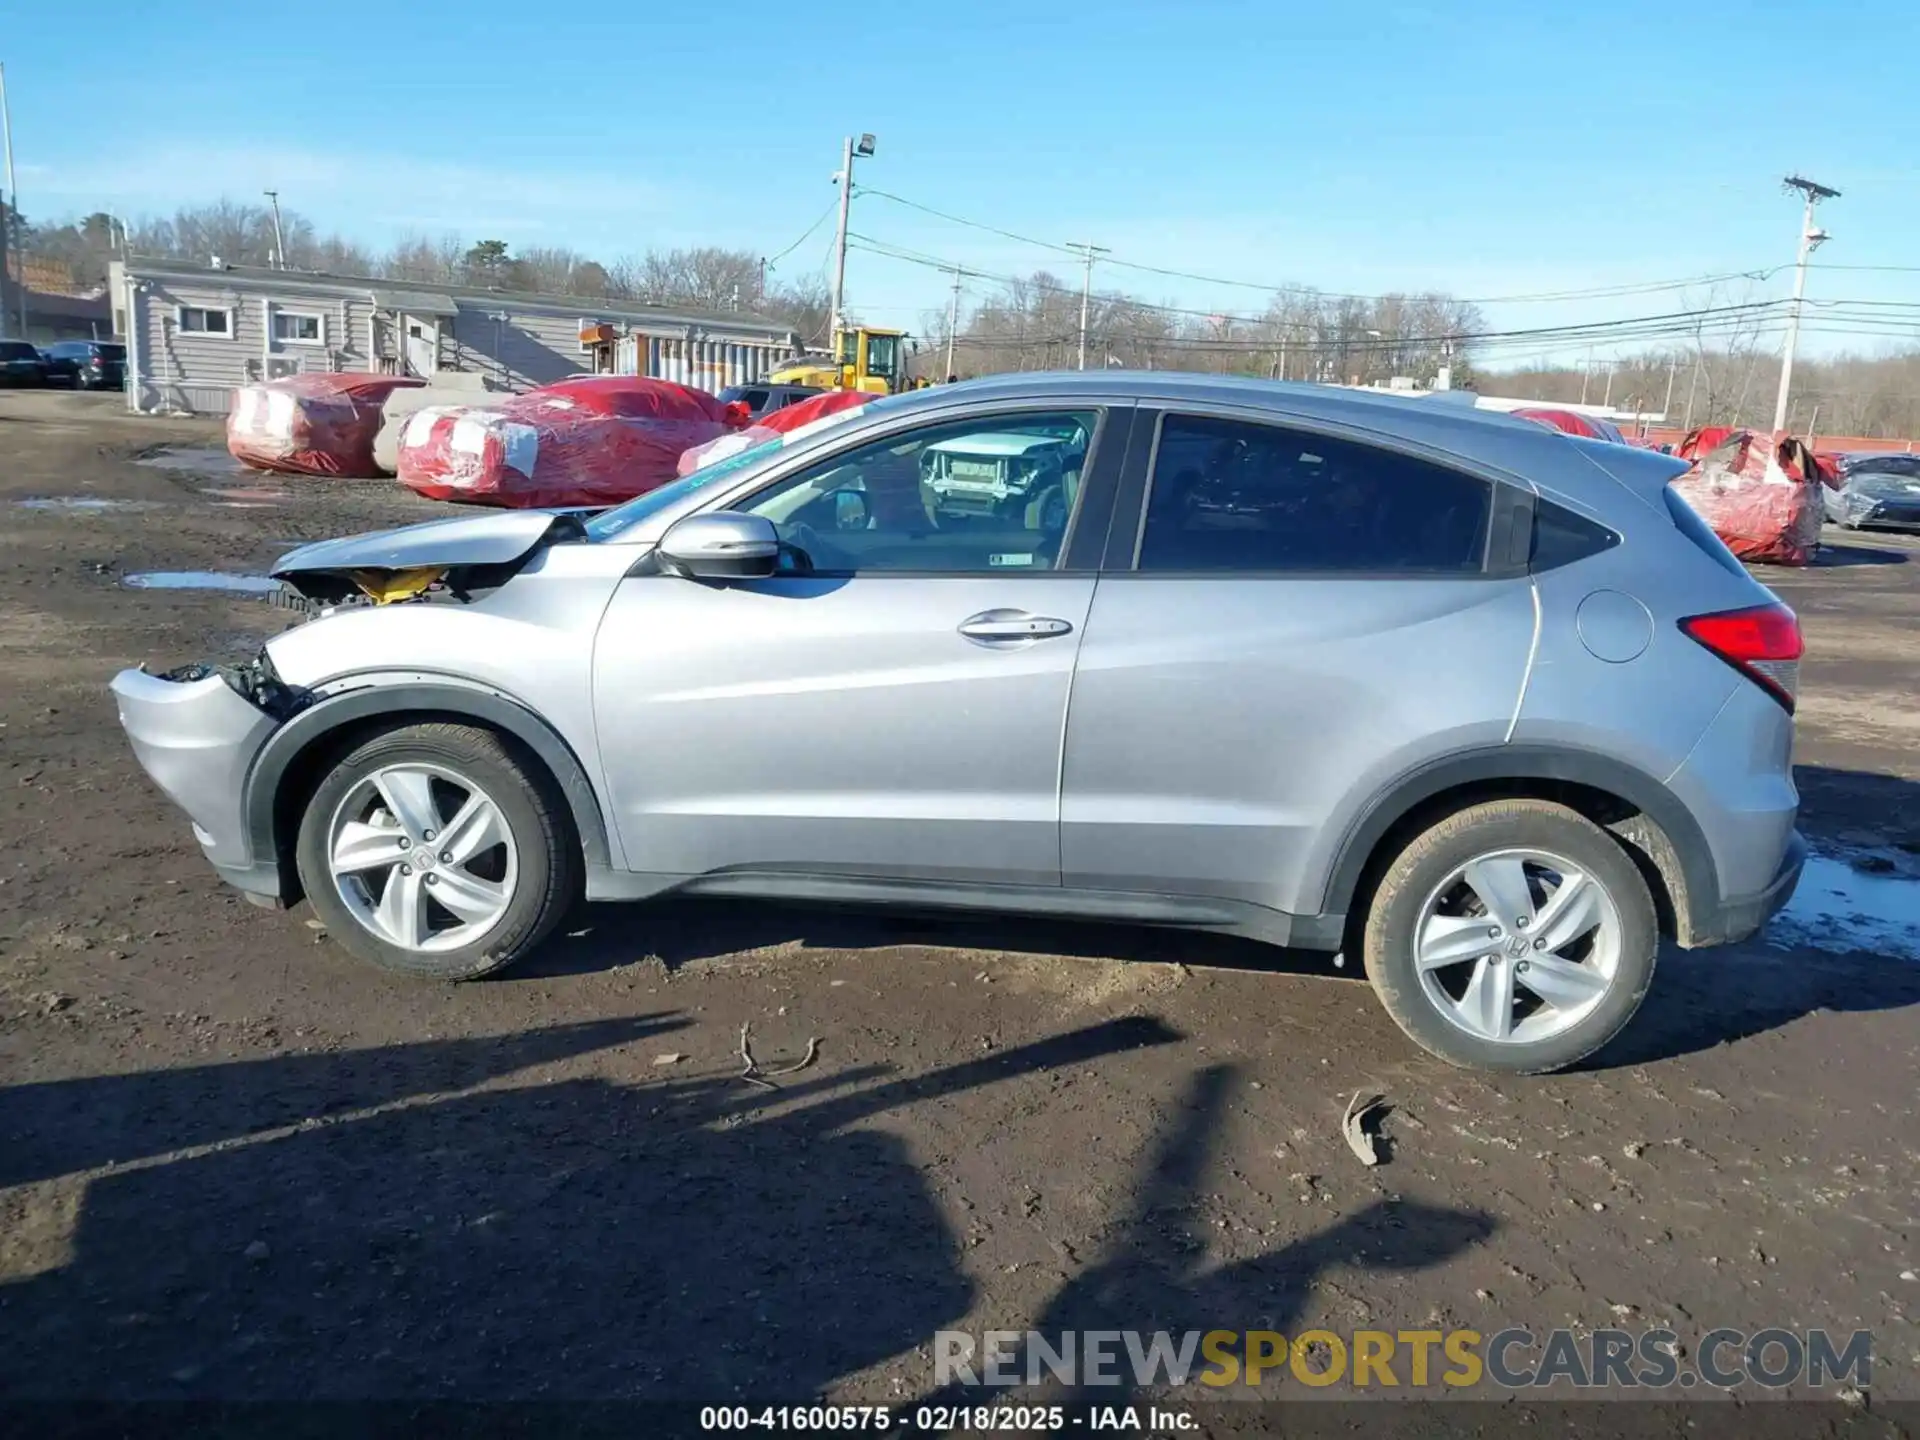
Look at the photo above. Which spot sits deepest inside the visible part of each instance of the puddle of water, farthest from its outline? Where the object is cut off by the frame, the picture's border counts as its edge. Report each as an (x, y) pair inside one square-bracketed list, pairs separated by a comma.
[(200, 459), (83, 504), (201, 580), (1839, 908)]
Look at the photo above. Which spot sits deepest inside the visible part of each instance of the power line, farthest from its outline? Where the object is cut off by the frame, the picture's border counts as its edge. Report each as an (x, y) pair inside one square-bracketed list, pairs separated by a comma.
[(970, 224), (1636, 327), (1592, 293), (805, 235)]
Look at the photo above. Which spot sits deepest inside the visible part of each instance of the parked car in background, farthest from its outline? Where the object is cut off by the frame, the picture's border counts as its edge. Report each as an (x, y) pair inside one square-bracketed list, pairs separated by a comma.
[(21, 364), (1876, 490), (87, 364), (1481, 705), (765, 397)]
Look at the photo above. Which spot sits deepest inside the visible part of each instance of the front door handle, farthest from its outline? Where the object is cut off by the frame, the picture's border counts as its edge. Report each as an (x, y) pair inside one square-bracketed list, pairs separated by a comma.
[(1003, 625)]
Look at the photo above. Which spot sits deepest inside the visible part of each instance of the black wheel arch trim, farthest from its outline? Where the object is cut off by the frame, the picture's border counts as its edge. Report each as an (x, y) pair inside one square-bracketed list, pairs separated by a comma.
[(406, 699), (1686, 865)]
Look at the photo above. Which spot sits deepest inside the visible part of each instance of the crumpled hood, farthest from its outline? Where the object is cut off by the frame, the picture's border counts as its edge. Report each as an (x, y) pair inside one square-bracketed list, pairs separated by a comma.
[(495, 537)]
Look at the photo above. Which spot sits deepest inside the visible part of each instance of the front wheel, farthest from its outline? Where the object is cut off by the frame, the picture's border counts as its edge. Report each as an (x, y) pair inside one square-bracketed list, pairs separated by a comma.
[(433, 851), (1515, 936)]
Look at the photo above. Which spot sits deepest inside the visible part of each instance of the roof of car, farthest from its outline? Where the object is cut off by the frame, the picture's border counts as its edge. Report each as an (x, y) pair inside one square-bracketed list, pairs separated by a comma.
[(1414, 417), (1383, 407)]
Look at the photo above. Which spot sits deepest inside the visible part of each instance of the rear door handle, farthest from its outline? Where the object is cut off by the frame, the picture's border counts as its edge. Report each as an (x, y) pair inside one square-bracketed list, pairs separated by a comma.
[(1013, 625)]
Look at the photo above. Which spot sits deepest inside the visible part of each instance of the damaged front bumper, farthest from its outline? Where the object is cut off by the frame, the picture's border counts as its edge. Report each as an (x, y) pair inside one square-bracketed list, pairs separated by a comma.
[(196, 732), (1881, 509)]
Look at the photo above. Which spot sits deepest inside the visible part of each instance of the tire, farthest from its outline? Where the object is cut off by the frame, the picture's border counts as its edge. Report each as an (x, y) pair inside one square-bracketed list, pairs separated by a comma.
[(1452, 1008), (511, 891)]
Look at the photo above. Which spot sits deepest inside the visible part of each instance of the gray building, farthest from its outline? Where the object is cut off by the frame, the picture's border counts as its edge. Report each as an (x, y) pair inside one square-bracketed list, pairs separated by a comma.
[(194, 332)]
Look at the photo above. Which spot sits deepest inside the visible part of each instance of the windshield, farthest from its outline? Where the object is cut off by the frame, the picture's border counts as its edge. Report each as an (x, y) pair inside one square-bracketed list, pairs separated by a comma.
[(883, 355), (622, 518)]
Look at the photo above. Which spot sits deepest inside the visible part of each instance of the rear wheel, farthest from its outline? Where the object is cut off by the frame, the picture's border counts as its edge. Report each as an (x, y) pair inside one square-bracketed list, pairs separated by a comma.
[(432, 851), (1514, 936)]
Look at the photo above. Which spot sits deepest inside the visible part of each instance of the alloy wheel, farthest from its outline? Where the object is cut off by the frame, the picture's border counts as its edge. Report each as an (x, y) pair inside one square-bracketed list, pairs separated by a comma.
[(1517, 946), (422, 857)]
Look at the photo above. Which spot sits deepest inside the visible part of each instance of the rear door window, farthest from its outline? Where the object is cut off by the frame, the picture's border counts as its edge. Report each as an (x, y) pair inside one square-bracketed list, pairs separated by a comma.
[(1236, 496)]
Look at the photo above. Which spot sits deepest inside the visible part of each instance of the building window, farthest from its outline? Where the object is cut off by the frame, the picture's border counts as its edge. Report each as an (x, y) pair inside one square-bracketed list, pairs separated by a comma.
[(199, 320), (295, 327)]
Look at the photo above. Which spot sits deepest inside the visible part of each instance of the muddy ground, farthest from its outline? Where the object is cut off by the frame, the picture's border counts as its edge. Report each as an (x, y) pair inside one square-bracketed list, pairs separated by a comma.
[(235, 1164)]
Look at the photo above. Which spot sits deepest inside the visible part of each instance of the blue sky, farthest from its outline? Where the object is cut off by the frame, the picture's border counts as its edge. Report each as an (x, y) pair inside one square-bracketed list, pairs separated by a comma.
[(1491, 149)]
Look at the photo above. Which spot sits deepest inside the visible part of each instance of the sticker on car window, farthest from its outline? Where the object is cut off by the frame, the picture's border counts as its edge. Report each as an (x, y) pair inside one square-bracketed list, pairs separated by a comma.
[(996, 561)]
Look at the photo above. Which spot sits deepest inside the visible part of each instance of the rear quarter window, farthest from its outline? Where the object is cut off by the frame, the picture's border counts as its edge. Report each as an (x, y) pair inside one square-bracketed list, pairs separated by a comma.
[(1561, 537)]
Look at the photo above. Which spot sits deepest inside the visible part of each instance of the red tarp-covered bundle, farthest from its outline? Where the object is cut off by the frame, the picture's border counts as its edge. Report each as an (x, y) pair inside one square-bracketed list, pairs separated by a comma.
[(793, 420), (1760, 495), (594, 441), (311, 424), (1572, 422)]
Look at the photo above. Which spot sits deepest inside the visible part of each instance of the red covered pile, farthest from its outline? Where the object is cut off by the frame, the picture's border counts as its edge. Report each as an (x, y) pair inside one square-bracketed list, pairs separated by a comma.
[(1760, 495), (592, 441), (789, 421), (311, 424)]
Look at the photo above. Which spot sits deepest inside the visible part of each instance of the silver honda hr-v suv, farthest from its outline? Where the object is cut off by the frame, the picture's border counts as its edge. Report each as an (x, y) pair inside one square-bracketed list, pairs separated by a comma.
[(1483, 705)]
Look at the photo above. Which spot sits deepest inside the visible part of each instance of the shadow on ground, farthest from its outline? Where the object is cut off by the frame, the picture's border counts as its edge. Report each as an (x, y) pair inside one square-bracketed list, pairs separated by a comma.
[(1833, 555), (682, 932), (1156, 1275), (343, 1229), (1858, 807)]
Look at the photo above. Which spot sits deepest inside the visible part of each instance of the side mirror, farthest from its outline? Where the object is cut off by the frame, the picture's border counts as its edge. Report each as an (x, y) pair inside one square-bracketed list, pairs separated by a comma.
[(722, 545)]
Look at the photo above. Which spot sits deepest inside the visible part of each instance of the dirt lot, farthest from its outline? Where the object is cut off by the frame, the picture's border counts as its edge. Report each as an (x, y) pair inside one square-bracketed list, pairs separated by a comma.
[(235, 1164)]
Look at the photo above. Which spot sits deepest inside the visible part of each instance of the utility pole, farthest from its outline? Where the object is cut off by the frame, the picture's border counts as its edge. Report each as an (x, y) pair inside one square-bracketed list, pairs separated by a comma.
[(1607, 399), (10, 220), (1809, 239), (1693, 385), (1666, 406), (1087, 254), (953, 320), (279, 240), (862, 147)]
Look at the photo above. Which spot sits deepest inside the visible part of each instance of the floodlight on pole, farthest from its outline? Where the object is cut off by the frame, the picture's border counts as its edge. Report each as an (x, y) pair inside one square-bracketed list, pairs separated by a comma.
[(863, 149)]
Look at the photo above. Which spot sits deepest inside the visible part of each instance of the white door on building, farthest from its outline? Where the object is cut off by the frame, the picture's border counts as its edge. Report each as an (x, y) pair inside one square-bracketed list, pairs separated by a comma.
[(423, 346)]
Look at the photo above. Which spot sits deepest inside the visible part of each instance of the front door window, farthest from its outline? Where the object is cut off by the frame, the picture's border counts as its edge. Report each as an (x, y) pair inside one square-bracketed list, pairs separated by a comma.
[(982, 496)]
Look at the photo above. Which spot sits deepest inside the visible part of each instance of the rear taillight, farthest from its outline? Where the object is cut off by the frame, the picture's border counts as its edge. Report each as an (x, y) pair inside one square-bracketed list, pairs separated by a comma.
[(1762, 642)]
